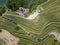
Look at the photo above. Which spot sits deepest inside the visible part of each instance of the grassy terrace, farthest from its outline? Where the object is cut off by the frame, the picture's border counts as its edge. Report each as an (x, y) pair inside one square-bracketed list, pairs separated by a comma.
[(49, 41), (49, 20), (48, 3), (5, 24), (44, 17), (28, 24)]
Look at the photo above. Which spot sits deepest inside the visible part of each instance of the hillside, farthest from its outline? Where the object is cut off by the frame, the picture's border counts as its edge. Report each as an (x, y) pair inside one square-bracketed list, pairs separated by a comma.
[(44, 29)]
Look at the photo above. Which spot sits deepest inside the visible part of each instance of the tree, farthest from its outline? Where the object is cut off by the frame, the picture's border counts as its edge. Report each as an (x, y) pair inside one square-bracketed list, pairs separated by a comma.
[(17, 28), (30, 4), (2, 10), (13, 4)]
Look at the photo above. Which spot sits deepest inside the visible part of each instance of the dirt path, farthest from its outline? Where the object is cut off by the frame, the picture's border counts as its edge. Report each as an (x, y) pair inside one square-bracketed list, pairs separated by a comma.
[(33, 15), (8, 38), (56, 34)]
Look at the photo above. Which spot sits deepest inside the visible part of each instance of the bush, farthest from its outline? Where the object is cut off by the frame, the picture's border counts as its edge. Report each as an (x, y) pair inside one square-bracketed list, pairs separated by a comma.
[(0, 30)]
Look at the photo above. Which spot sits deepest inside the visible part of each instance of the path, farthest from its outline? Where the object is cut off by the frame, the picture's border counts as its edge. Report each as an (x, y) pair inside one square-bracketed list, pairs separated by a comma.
[(56, 34), (33, 15)]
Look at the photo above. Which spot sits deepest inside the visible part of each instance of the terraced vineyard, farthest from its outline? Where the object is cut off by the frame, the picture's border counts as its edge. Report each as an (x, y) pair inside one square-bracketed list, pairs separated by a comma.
[(32, 32)]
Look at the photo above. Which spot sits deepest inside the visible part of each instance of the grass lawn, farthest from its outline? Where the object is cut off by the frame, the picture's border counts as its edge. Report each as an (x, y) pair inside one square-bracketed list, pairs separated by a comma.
[(2, 42)]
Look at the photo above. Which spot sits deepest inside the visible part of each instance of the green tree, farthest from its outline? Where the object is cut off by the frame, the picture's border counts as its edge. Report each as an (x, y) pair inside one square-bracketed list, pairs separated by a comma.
[(30, 4), (2, 10), (13, 4)]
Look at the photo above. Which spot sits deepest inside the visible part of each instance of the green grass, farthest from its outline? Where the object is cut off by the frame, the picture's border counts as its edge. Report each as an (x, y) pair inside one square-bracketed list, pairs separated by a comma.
[(5, 24), (47, 16), (48, 3), (50, 41), (49, 20), (2, 42)]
